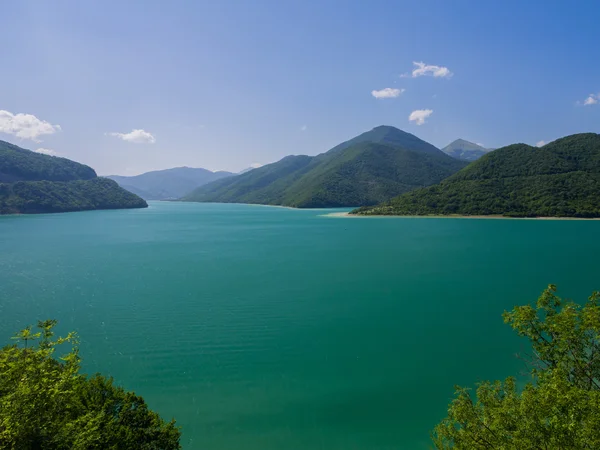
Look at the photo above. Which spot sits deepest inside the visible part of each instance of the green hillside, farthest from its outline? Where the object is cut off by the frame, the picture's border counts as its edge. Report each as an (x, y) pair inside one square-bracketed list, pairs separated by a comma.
[(168, 184), (18, 164), (465, 150), (32, 183), (560, 179), (357, 172)]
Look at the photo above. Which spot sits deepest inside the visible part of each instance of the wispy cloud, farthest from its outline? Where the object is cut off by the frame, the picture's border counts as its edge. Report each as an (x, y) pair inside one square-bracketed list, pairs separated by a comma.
[(540, 143), (136, 136), (46, 151), (25, 126), (418, 116), (592, 99), (303, 128), (256, 165), (421, 69), (387, 93)]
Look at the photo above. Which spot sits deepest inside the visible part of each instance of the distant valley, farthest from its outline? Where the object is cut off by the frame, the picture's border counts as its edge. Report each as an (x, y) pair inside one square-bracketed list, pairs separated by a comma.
[(169, 184)]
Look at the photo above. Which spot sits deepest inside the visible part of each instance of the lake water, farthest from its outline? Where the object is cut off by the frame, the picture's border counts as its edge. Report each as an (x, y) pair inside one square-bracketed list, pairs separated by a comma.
[(267, 328)]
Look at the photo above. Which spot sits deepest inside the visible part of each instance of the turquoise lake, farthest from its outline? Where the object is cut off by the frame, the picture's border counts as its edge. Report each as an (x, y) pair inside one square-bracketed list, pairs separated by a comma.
[(267, 328)]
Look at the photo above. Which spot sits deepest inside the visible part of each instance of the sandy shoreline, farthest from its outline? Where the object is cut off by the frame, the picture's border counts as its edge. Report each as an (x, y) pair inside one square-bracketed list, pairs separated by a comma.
[(354, 216)]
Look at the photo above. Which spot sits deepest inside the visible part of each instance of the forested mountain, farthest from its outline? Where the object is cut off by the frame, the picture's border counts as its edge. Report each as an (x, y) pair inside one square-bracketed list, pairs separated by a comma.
[(366, 170), (34, 183), (465, 150), (560, 179), (168, 184)]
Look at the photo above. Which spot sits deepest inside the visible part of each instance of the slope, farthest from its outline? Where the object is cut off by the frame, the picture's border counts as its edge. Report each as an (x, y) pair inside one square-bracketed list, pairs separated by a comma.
[(34, 183), (356, 172), (465, 150), (561, 179), (168, 184)]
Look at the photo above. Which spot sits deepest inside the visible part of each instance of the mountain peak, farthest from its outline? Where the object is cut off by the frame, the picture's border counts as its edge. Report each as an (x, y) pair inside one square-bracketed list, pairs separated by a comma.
[(465, 143), (389, 135), (465, 150)]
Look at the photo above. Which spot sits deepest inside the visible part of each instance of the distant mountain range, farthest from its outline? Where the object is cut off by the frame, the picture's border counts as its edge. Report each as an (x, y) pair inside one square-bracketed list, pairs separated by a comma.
[(169, 184), (560, 179), (465, 150), (34, 183), (368, 169)]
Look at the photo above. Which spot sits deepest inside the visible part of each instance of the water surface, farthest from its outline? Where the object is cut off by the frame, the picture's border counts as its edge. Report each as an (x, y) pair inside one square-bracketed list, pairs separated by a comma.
[(268, 328)]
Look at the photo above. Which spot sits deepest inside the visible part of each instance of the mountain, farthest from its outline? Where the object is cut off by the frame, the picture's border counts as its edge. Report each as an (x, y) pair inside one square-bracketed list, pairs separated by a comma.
[(168, 184), (465, 150), (366, 170), (560, 179), (248, 169), (34, 183)]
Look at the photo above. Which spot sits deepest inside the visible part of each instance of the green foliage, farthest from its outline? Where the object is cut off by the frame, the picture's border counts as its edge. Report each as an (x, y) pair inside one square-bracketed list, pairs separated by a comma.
[(18, 164), (47, 404), (561, 179), (32, 183), (559, 408), (32, 197), (366, 170)]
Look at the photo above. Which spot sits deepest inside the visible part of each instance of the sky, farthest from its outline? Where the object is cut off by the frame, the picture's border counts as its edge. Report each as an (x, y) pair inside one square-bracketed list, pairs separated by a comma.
[(132, 86)]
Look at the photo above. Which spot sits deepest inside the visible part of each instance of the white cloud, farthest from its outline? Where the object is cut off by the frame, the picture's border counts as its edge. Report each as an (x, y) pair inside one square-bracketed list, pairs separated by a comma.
[(25, 126), (540, 143), (136, 136), (420, 115), (303, 128), (46, 151), (591, 100), (256, 165), (387, 93), (421, 69)]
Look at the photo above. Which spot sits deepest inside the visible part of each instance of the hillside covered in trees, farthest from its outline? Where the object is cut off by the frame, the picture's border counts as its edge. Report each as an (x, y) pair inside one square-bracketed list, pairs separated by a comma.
[(560, 179), (32, 183), (366, 170)]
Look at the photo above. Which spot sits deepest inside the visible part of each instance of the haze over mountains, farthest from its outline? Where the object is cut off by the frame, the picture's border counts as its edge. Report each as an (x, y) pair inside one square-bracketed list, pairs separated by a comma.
[(465, 150), (560, 179), (366, 170), (34, 183), (169, 184)]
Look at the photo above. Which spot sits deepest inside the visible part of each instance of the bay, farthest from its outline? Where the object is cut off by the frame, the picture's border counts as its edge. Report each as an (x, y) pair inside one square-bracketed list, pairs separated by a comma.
[(272, 328)]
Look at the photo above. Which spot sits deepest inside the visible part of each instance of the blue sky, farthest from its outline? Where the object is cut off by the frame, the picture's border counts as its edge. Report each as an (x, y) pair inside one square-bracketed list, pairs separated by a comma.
[(224, 84)]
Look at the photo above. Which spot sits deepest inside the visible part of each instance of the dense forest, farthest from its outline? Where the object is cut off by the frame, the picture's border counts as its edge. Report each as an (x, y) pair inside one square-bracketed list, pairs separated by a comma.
[(32, 183), (560, 179), (366, 170)]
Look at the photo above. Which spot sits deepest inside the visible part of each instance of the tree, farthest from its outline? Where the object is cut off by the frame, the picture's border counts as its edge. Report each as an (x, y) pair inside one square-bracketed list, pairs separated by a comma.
[(559, 408), (47, 404)]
